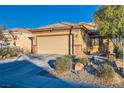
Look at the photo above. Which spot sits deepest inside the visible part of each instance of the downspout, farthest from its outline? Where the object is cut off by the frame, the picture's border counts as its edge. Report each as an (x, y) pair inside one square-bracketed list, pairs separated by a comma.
[(32, 49), (69, 40)]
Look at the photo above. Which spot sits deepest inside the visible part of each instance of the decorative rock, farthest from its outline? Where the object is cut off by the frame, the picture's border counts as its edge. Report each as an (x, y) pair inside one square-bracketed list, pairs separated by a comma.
[(79, 66), (119, 64), (4, 57)]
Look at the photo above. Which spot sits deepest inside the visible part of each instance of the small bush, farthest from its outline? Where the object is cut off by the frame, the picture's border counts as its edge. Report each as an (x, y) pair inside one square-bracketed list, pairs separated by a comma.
[(111, 58), (3, 52), (70, 57), (118, 52), (105, 71), (85, 61), (7, 52), (104, 52), (86, 50), (67, 56), (123, 72), (63, 64), (12, 52)]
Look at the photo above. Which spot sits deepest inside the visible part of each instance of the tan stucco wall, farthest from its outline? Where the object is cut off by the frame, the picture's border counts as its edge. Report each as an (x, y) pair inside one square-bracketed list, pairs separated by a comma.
[(79, 43), (111, 46), (24, 42), (78, 40)]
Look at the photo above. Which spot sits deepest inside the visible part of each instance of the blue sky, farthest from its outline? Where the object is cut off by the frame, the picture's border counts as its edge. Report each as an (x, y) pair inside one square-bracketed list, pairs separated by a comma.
[(37, 16)]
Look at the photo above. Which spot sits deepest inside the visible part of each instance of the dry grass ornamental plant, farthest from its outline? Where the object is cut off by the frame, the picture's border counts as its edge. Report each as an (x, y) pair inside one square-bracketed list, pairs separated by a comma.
[(63, 64), (105, 71)]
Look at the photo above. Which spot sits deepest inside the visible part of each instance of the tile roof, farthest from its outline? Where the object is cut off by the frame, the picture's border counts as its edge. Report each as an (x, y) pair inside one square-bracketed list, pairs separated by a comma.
[(88, 27), (17, 31), (61, 24)]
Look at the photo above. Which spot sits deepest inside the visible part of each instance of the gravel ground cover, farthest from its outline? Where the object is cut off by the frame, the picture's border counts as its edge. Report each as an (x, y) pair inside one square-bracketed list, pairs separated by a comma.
[(84, 77), (87, 78)]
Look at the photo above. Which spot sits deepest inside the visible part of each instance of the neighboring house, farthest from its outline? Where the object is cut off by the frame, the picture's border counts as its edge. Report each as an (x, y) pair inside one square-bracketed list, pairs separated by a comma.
[(64, 38), (18, 37)]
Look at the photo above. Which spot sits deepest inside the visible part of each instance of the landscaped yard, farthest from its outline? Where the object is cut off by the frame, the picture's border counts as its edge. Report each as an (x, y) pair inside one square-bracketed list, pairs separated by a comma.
[(40, 71), (97, 71)]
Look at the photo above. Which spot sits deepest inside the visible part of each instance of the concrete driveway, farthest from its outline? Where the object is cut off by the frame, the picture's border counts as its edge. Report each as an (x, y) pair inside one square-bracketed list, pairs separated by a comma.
[(23, 72)]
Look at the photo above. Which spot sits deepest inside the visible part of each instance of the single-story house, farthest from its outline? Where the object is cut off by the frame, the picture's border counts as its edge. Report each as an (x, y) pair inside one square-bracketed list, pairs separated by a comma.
[(65, 38)]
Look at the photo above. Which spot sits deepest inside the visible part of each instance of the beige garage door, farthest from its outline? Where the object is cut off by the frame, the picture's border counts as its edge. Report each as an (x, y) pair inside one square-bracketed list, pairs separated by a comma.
[(52, 44)]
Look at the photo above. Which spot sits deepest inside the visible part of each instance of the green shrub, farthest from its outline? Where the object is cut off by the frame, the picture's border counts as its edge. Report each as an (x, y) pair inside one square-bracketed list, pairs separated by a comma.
[(105, 71), (111, 58), (63, 64), (123, 72), (12, 52), (86, 50), (104, 52), (3, 52), (6, 51), (85, 61), (70, 57), (118, 52)]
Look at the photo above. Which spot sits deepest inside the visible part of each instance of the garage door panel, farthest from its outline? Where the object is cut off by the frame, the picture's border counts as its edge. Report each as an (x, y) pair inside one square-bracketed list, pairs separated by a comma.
[(52, 44)]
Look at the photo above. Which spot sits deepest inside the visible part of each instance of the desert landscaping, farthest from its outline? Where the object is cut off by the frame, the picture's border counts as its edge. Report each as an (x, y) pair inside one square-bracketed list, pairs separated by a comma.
[(78, 73)]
